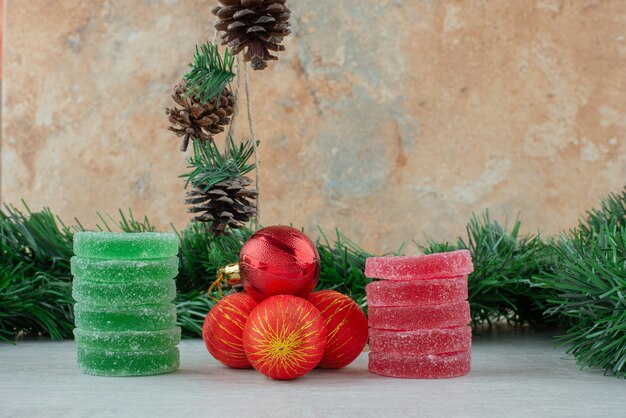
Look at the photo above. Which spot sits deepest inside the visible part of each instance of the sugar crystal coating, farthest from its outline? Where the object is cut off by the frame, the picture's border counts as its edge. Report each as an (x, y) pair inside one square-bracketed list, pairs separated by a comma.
[(128, 340), (125, 318), (132, 293), (420, 342), (407, 318), (430, 366), (103, 362), (96, 269), (419, 267), (416, 292), (123, 283), (122, 245)]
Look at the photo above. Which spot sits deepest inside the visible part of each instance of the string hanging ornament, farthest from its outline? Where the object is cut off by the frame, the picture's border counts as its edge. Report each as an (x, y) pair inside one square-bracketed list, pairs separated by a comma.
[(230, 203), (220, 192), (243, 8)]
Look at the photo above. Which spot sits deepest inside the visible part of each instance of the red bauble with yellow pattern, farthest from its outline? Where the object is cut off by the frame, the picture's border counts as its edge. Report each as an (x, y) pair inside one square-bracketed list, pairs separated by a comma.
[(223, 329), (284, 337), (346, 325)]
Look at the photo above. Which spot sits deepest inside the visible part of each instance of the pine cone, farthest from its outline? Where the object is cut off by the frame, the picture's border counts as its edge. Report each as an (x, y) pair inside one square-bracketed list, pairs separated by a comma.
[(198, 120), (228, 203), (257, 25)]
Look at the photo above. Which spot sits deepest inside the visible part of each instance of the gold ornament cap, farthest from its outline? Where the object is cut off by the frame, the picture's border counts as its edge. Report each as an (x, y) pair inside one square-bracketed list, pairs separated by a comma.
[(227, 276), (229, 273)]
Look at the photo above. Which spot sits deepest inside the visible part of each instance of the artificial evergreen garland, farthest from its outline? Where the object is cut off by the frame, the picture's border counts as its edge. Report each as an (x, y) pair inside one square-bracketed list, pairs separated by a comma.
[(578, 278), (35, 281), (612, 210), (505, 262), (589, 289), (588, 285)]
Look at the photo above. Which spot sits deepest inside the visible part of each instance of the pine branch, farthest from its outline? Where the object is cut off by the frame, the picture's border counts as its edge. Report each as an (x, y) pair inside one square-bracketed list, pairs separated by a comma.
[(210, 73), (191, 309), (202, 254), (209, 166), (127, 223), (35, 281), (504, 264), (589, 287), (342, 266), (612, 210), (37, 238), (34, 302)]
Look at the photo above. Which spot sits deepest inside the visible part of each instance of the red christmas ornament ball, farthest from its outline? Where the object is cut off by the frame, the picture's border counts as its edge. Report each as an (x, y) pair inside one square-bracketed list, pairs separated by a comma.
[(284, 337), (279, 260), (346, 325), (223, 329)]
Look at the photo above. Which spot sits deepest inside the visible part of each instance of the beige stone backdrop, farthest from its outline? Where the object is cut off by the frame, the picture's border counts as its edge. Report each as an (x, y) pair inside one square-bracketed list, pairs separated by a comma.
[(389, 119)]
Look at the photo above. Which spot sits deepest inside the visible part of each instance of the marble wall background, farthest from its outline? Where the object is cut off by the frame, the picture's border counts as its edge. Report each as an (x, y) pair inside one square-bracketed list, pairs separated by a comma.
[(389, 119)]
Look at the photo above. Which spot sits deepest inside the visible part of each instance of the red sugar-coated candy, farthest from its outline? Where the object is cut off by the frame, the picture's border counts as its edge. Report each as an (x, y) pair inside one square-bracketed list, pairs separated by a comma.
[(407, 318), (416, 292), (419, 267), (421, 342), (430, 366)]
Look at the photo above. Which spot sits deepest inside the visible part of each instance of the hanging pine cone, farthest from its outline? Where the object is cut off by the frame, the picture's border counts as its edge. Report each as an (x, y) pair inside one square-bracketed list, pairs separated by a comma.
[(228, 203), (257, 25), (198, 120)]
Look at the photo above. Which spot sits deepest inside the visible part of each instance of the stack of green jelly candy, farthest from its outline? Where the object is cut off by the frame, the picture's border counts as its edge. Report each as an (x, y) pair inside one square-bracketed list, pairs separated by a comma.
[(123, 287)]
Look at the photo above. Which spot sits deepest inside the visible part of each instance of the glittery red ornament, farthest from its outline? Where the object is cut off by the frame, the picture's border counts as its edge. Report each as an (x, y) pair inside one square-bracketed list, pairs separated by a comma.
[(284, 337), (223, 329), (279, 260), (346, 325)]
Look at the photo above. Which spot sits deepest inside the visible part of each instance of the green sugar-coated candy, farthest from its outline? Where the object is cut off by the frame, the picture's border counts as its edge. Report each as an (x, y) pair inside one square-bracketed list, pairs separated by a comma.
[(122, 245), (119, 293), (124, 270), (125, 318), (102, 362), (128, 340)]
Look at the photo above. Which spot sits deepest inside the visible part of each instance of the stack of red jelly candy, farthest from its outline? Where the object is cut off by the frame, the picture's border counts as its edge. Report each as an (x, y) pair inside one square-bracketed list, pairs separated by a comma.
[(419, 315)]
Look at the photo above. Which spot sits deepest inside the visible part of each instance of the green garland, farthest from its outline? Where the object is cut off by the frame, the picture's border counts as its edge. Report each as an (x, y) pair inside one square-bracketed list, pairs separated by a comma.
[(577, 280), (501, 286), (35, 281), (590, 291), (588, 282)]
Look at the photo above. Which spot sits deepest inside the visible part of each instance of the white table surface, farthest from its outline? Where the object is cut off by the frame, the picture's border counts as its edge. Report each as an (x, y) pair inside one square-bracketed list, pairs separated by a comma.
[(512, 375)]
